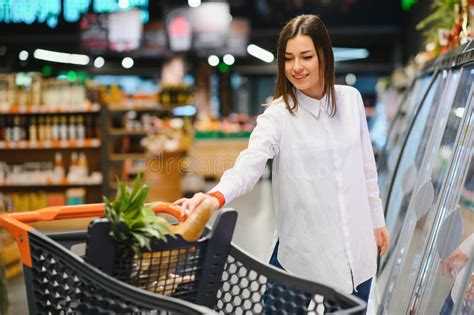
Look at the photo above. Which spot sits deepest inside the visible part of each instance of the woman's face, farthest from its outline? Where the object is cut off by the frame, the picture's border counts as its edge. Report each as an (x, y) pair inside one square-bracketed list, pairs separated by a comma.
[(302, 66)]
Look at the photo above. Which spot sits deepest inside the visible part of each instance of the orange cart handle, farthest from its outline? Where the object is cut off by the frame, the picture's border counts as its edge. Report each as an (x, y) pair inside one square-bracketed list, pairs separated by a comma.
[(85, 211), (16, 223)]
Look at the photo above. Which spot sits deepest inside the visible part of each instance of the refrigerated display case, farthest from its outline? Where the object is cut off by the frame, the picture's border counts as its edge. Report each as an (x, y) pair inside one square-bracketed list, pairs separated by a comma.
[(410, 160), (445, 283), (424, 229), (399, 127)]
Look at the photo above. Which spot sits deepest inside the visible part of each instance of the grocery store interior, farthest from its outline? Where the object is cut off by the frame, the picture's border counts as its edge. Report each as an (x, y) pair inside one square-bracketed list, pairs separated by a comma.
[(97, 94)]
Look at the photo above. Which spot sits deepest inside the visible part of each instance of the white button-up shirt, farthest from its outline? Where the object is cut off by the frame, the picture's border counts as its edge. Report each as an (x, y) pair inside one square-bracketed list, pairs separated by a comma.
[(325, 190)]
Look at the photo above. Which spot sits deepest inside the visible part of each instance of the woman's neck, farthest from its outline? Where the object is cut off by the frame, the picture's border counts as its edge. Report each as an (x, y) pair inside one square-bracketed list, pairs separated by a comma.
[(316, 92)]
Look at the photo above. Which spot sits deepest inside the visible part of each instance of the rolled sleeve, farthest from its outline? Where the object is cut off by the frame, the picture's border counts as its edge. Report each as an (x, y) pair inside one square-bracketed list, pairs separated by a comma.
[(370, 170), (467, 246)]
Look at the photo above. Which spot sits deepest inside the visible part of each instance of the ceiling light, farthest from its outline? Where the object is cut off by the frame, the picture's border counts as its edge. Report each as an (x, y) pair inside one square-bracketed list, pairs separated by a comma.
[(194, 3), (23, 55), (228, 59), (60, 57), (99, 62), (351, 79), (342, 54), (260, 53), (123, 4), (213, 60), (127, 62)]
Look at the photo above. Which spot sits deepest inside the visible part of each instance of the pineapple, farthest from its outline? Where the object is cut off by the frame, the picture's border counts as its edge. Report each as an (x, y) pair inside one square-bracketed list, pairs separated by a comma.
[(134, 225)]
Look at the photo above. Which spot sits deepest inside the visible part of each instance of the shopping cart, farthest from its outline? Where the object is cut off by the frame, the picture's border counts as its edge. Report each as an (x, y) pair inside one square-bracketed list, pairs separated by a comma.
[(177, 277)]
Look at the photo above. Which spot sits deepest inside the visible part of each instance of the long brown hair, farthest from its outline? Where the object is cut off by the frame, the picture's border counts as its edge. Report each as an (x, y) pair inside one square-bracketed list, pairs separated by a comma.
[(312, 26)]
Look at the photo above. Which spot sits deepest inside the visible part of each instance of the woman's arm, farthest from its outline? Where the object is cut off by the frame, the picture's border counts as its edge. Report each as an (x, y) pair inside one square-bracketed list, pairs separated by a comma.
[(381, 234), (370, 170), (248, 168)]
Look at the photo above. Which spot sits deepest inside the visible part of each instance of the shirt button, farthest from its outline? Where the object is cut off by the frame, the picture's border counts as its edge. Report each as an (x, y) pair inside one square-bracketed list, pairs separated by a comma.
[(324, 172)]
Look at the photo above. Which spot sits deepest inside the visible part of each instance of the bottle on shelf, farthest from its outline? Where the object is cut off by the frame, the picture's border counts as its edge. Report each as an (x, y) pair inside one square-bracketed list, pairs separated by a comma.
[(55, 128), (71, 176), (82, 168), (47, 128), (16, 133), (33, 131), (63, 130), (8, 129), (41, 128), (22, 96), (24, 132), (72, 128), (36, 90), (80, 128), (58, 172)]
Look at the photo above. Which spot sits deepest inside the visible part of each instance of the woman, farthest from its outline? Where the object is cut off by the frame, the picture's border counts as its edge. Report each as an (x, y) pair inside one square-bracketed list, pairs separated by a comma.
[(328, 211)]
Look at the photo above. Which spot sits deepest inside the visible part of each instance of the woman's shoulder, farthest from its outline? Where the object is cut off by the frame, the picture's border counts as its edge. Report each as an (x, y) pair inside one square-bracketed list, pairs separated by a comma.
[(348, 99), (346, 90), (274, 101), (275, 106)]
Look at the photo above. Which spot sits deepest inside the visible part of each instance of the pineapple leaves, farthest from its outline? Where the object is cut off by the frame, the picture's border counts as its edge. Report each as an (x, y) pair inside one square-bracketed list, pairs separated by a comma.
[(134, 225)]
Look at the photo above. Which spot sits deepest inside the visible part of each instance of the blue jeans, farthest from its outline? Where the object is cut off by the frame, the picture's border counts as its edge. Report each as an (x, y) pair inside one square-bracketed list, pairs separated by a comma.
[(448, 305), (363, 289)]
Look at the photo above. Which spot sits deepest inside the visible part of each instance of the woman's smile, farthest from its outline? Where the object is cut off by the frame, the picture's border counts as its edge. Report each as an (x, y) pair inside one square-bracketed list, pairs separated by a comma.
[(300, 77)]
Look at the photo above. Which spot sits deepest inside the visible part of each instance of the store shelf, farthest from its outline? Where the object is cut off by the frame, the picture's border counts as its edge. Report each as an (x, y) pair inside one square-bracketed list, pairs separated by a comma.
[(53, 144), (120, 109), (126, 132), (125, 156), (5, 184), (15, 110)]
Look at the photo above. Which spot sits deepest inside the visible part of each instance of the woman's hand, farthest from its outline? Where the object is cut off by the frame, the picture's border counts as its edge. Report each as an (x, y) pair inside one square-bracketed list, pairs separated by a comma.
[(454, 263), (188, 205), (382, 239)]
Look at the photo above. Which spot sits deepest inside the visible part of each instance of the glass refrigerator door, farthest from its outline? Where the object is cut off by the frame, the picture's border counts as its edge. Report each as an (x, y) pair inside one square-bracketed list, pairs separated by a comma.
[(406, 173), (447, 272), (387, 159), (422, 210), (445, 284)]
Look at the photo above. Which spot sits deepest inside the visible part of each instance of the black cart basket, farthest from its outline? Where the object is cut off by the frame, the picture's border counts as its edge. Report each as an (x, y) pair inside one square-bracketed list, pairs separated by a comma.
[(177, 277)]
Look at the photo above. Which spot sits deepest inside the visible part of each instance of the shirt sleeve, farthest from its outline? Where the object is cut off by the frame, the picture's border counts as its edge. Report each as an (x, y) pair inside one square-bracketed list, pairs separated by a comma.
[(467, 246), (250, 164), (370, 170)]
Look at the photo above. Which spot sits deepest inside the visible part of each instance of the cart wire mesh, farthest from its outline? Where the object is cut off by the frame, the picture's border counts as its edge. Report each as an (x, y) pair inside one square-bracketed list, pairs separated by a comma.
[(62, 283), (251, 287), (174, 272)]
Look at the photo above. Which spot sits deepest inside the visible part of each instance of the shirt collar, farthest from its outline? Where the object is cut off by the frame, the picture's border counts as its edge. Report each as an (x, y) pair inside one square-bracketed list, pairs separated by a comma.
[(311, 104)]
